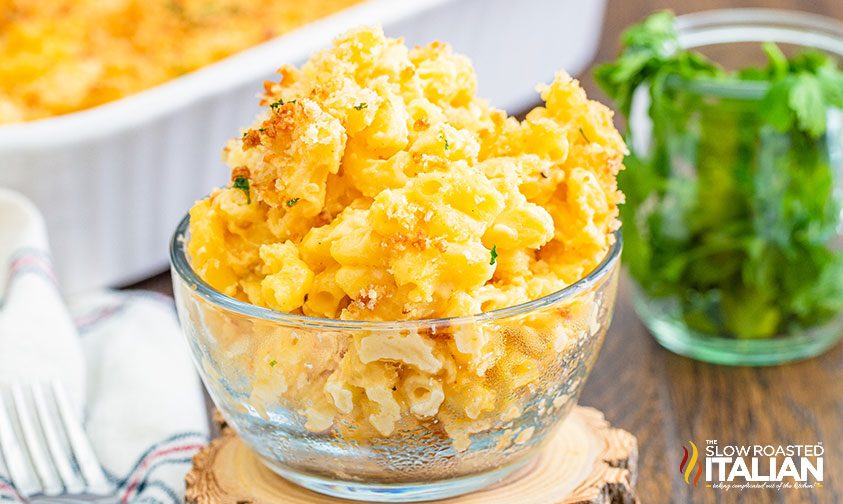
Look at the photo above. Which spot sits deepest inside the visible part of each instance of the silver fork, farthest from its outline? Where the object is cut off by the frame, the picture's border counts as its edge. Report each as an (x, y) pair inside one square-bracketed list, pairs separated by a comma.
[(44, 447)]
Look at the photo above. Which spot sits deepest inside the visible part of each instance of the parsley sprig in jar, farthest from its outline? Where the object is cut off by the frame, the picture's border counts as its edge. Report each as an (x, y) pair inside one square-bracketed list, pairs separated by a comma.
[(734, 195)]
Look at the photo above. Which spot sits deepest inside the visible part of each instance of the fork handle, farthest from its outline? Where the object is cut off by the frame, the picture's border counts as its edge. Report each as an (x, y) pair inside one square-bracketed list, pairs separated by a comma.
[(87, 461)]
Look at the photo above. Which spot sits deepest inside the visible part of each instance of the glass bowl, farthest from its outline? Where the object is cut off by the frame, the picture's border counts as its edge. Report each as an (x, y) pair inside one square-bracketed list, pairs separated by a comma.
[(730, 249), (395, 411)]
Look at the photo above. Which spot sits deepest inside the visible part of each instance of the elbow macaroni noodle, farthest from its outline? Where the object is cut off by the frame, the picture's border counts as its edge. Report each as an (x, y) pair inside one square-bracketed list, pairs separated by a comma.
[(380, 188)]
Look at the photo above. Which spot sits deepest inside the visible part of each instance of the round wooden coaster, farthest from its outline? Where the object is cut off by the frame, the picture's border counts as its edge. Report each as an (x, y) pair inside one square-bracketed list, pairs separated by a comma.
[(586, 462)]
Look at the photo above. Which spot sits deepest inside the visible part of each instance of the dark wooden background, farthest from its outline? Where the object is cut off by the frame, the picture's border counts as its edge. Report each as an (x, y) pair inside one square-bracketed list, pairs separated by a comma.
[(667, 400)]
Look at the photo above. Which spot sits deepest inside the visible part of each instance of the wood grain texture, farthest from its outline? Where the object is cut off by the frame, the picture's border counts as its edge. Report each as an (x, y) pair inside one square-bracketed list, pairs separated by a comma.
[(585, 462), (666, 400), (669, 400)]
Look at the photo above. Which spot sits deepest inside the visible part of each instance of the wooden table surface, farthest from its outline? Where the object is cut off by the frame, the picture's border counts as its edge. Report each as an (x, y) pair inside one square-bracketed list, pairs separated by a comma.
[(667, 400)]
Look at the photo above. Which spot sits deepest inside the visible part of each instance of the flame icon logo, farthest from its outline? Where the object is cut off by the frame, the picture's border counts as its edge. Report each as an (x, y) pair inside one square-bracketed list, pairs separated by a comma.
[(686, 467)]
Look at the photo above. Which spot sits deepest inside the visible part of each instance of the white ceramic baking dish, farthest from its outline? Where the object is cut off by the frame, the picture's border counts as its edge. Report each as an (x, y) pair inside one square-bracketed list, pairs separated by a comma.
[(114, 180)]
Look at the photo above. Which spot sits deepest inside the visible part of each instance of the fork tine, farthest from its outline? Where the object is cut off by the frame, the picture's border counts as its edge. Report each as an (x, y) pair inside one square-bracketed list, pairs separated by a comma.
[(40, 458), (85, 457), (15, 455), (73, 482)]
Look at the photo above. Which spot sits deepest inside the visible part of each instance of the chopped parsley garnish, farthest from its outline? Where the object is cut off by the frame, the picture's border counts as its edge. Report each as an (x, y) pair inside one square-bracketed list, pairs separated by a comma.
[(444, 140), (585, 137), (272, 363), (274, 105), (494, 255), (361, 106), (292, 202), (242, 183)]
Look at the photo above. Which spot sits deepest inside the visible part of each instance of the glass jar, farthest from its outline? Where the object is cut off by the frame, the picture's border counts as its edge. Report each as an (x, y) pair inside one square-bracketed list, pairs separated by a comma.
[(743, 262), (397, 411)]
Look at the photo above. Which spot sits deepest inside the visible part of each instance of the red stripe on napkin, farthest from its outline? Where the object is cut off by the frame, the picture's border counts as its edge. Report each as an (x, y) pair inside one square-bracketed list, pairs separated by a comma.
[(34, 262), (148, 461)]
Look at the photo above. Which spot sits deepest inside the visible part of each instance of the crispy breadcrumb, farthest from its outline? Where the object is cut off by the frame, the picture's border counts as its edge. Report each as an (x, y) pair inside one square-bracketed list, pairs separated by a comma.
[(382, 172)]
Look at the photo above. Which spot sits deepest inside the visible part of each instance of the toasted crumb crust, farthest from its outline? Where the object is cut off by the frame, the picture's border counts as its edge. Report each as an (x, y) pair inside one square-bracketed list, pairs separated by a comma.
[(399, 191)]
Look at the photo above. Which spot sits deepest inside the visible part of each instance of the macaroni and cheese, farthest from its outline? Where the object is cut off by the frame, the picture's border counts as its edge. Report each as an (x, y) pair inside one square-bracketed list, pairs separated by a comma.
[(61, 56), (376, 186)]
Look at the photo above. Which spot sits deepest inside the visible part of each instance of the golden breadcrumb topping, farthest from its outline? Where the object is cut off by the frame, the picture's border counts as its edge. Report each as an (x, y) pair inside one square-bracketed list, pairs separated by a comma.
[(377, 186)]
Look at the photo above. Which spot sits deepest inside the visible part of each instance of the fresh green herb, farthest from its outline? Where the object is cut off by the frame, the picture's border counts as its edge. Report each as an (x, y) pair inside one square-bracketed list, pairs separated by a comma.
[(242, 183), (444, 139), (292, 202), (361, 106), (273, 363), (732, 212), (262, 130), (802, 89), (274, 105), (494, 255), (585, 137), (650, 53)]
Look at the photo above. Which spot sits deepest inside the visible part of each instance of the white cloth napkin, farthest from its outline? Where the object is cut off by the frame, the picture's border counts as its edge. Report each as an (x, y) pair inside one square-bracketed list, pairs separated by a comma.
[(120, 355)]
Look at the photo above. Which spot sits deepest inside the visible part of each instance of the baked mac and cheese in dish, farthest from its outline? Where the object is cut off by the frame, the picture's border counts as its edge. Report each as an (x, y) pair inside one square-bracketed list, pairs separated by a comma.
[(61, 56), (377, 187)]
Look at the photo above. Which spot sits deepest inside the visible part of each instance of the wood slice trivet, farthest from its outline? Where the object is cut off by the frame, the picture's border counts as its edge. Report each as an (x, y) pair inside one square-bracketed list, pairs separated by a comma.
[(586, 462)]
